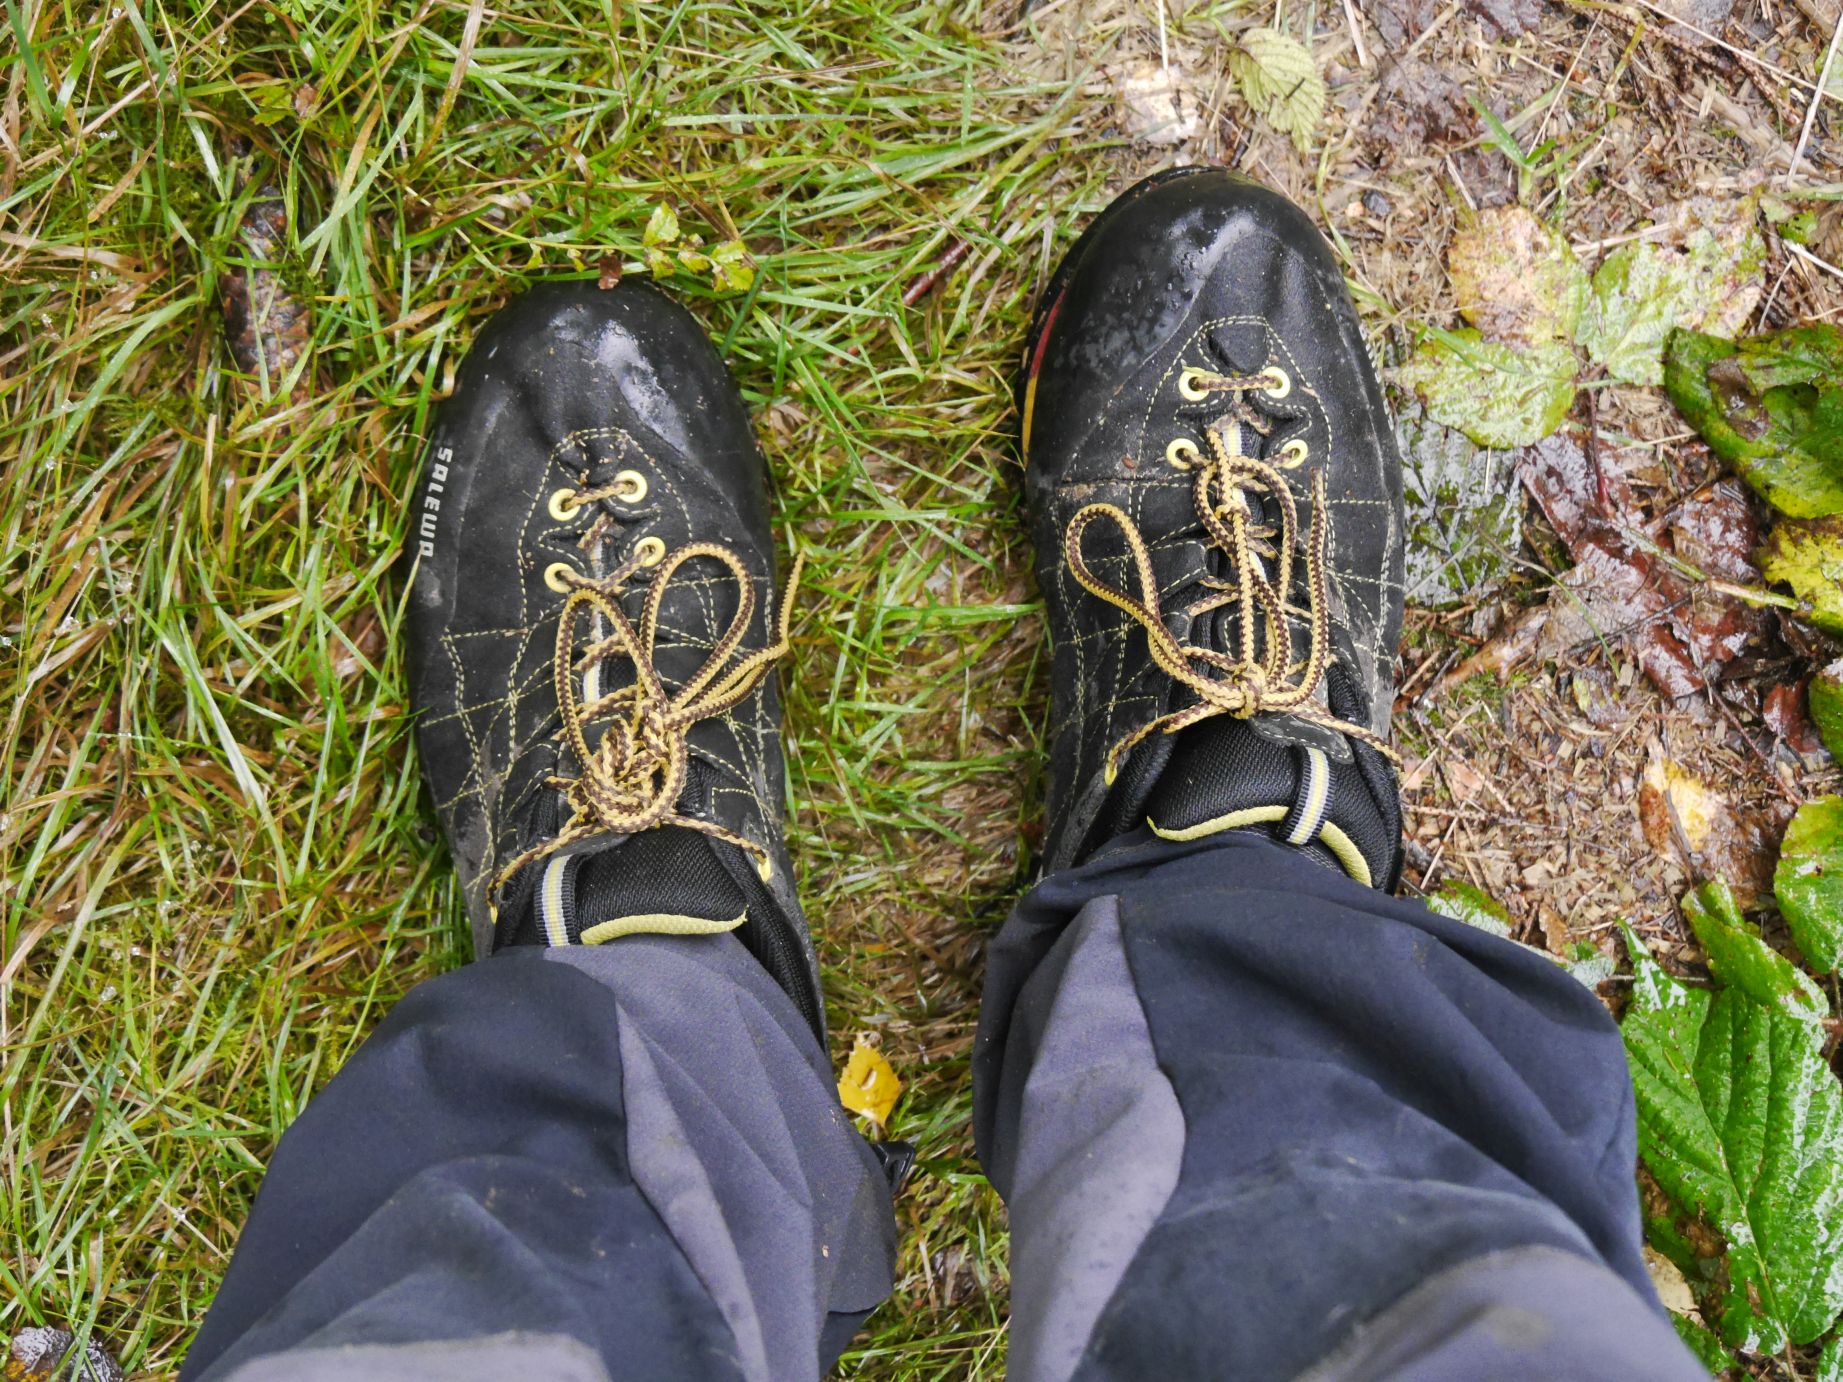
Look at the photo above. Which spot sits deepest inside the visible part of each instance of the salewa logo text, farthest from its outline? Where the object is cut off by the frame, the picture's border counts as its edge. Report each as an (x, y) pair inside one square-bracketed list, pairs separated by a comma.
[(432, 500)]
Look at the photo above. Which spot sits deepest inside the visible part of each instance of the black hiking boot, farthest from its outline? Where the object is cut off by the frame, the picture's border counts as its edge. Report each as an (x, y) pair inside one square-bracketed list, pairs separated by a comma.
[(1215, 494), (593, 631)]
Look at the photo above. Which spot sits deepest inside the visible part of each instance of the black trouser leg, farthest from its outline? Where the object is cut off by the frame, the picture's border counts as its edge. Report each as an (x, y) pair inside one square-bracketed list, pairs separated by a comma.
[(1251, 1120), (626, 1160)]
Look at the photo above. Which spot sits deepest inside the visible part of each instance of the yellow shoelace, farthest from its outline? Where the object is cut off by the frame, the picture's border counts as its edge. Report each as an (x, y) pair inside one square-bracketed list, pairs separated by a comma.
[(1234, 683), (632, 778)]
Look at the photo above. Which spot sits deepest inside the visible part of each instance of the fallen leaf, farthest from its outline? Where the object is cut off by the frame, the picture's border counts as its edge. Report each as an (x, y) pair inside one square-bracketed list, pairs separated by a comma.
[(1671, 1285), (1617, 590), (869, 1086), (1709, 281), (1676, 810), (1418, 104), (1498, 395), (1462, 781), (1807, 554), (1673, 801), (1809, 881), (1771, 406), (608, 271), (266, 323), (44, 1353), (1783, 709), (1824, 697), (1278, 77), (1514, 281), (1713, 530), (1464, 517), (1157, 106)]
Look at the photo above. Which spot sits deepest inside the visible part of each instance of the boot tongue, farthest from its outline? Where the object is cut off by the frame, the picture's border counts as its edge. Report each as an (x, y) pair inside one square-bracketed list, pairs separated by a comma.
[(667, 881), (1223, 774)]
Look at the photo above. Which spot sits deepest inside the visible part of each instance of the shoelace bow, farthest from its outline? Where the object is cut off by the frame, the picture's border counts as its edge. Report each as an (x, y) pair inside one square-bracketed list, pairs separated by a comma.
[(1238, 683), (631, 779)]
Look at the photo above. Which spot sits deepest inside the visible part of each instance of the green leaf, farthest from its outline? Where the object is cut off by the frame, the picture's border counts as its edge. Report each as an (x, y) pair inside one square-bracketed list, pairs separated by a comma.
[(1498, 395), (661, 227), (1643, 290), (1830, 1362), (659, 263), (1742, 960), (1807, 554), (1825, 696), (1515, 282), (1740, 1122), (1279, 79), (1702, 1342), (731, 269), (1771, 406), (1808, 883), (1472, 905)]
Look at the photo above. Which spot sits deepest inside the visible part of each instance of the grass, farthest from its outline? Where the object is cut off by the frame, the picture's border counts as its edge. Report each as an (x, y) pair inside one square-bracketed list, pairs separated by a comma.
[(220, 868), (217, 865)]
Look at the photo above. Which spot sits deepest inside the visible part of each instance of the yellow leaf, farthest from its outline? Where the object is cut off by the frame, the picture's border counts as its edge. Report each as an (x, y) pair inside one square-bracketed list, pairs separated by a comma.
[(868, 1085)]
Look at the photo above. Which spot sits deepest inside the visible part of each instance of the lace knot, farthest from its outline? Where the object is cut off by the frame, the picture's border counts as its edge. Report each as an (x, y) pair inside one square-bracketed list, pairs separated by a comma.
[(1258, 675), (631, 779)]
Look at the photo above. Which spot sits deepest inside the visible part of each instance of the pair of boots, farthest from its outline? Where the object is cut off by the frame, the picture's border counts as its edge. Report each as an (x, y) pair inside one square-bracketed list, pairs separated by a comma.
[(1214, 492)]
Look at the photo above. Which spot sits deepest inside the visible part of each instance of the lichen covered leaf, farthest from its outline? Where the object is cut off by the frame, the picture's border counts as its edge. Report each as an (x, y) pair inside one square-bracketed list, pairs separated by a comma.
[(1464, 512), (1741, 1124), (1808, 882), (1808, 556), (869, 1086), (1498, 395), (1278, 78), (1472, 905), (1641, 291), (1771, 406), (1515, 282)]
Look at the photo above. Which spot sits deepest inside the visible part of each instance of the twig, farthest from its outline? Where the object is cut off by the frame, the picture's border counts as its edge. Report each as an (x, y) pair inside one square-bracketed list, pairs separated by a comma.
[(1817, 98), (1802, 253), (928, 282), (1355, 20)]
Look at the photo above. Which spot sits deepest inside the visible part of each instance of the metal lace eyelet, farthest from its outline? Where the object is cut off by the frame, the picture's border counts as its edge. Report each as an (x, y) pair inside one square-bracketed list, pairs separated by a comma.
[(1293, 454), (1183, 453), (630, 487), (1188, 386), (1283, 385), (764, 868), (650, 550), (556, 574), (564, 505)]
